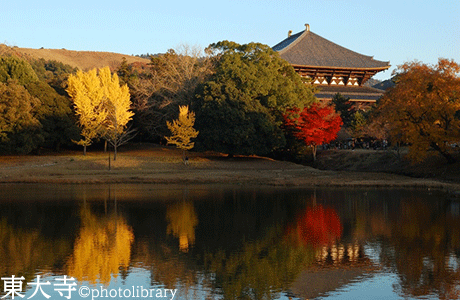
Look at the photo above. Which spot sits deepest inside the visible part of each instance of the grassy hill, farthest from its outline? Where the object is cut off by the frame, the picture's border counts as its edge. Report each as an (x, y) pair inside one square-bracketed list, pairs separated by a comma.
[(84, 60)]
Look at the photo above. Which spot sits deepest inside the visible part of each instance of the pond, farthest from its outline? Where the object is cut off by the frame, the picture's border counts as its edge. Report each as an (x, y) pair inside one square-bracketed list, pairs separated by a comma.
[(214, 242)]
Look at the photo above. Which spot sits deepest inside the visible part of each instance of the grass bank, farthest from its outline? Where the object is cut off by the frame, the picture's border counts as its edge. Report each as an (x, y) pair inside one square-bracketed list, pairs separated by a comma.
[(163, 165)]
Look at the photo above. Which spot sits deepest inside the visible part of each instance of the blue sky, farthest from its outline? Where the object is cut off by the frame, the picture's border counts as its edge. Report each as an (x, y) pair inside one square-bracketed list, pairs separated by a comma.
[(395, 31)]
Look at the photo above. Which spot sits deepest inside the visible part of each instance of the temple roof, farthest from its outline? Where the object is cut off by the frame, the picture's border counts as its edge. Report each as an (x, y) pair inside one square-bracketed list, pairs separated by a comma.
[(309, 49)]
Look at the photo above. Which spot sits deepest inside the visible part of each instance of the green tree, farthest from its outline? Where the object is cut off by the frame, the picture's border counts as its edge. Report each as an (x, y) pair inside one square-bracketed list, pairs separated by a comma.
[(239, 110), (55, 115), (126, 73), (19, 128), (16, 69), (344, 106), (54, 73), (52, 110), (182, 131), (358, 124)]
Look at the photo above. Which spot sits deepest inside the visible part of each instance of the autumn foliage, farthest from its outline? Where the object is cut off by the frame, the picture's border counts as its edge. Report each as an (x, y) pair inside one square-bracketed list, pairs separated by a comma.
[(182, 130), (314, 125), (423, 109), (102, 106)]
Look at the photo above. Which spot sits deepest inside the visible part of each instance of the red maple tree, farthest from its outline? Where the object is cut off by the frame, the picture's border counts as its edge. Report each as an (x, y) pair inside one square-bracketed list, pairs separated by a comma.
[(314, 125)]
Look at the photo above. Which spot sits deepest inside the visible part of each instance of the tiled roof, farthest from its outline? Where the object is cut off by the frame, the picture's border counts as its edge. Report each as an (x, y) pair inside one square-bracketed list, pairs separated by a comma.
[(309, 49)]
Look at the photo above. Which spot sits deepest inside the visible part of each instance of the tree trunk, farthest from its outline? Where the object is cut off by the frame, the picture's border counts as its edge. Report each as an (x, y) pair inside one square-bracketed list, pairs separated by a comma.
[(114, 152), (105, 146), (450, 158), (84, 150), (313, 147)]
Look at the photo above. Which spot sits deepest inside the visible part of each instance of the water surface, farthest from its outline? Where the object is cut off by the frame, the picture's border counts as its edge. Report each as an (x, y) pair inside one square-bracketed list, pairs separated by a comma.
[(210, 242)]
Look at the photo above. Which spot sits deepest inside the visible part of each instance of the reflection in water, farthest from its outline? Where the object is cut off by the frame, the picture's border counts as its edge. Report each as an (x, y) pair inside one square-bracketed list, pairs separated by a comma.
[(317, 226), (250, 244), (182, 221), (259, 270), (31, 239), (419, 242), (102, 247), (24, 251)]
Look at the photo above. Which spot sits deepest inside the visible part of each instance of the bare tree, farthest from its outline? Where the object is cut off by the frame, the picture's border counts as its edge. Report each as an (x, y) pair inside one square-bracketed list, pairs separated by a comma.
[(171, 82)]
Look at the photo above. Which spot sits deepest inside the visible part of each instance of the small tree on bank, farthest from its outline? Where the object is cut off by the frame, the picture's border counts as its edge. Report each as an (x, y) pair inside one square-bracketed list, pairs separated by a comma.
[(314, 125), (182, 130)]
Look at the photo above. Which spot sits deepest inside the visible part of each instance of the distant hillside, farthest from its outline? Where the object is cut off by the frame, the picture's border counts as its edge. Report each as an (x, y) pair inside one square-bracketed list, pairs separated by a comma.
[(384, 85), (371, 82), (84, 60)]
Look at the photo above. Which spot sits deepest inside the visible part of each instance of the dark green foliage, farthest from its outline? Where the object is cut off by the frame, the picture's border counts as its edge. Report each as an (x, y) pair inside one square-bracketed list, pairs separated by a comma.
[(234, 125), (19, 128), (55, 115), (345, 108), (53, 72), (239, 110), (32, 113), (13, 68), (127, 74)]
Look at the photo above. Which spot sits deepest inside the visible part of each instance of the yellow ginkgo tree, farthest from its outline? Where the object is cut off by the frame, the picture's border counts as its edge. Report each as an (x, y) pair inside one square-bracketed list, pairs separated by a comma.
[(182, 131), (102, 106)]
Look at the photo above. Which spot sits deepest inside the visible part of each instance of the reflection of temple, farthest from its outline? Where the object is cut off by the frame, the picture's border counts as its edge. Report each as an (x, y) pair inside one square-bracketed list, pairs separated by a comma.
[(337, 265), (332, 68), (341, 254)]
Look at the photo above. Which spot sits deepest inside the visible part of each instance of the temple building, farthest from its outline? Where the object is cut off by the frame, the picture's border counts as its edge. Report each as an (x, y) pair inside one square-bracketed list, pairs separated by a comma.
[(333, 68)]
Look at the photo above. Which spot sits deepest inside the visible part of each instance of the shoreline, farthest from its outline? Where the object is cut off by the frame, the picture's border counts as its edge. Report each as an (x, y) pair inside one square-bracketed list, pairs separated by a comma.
[(162, 166)]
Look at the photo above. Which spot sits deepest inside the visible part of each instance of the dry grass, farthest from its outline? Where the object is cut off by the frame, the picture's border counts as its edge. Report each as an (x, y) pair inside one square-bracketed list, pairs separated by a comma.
[(155, 164), (83, 60), (390, 162)]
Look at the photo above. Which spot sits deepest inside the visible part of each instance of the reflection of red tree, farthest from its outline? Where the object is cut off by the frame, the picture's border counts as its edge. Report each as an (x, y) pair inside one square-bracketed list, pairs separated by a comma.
[(317, 226)]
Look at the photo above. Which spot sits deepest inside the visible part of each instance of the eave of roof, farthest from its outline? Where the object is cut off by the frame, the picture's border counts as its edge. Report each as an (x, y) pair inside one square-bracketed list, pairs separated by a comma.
[(355, 93), (349, 89), (311, 50)]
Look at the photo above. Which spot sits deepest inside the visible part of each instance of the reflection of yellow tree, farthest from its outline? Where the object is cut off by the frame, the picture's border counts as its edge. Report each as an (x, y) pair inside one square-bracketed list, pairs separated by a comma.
[(102, 247), (23, 251), (182, 221)]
